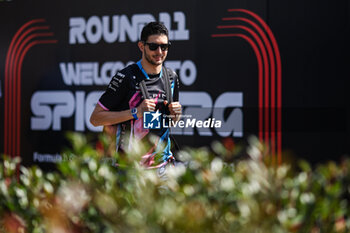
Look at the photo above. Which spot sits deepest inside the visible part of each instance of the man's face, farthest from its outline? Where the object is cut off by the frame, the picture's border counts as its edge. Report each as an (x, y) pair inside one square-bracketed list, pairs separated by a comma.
[(157, 56)]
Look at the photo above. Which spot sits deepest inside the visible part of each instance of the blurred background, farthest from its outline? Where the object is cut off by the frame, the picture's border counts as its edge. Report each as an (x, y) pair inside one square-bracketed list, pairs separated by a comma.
[(275, 69)]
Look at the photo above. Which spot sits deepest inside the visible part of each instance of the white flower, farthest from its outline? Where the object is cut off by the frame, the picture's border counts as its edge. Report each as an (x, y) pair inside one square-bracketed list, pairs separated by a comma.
[(307, 198), (216, 165), (227, 184), (73, 197)]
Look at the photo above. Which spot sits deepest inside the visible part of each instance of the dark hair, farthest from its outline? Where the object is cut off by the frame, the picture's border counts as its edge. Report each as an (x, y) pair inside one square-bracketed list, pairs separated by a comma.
[(153, 28)]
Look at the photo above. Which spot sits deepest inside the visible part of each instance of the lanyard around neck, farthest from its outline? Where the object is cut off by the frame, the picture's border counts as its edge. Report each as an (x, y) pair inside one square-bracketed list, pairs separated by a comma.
[(144, 72)]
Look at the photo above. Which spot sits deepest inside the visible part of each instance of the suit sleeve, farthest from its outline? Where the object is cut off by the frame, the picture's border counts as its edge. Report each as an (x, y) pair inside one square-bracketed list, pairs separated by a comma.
[(113, 97)]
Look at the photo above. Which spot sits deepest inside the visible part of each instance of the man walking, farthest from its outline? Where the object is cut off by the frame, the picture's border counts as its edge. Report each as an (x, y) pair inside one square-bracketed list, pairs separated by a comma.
[(146, 86)]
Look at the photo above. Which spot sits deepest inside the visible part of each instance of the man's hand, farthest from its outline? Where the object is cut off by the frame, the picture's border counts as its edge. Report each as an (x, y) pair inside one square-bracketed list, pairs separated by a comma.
[(175, 109), (147, 105)]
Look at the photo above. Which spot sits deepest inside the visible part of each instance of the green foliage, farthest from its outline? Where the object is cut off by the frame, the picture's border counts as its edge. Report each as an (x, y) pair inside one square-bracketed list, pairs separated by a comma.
[(89, 193)]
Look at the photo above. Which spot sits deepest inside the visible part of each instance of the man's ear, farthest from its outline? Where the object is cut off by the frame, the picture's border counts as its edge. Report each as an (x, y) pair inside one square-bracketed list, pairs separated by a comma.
[(141, 45)]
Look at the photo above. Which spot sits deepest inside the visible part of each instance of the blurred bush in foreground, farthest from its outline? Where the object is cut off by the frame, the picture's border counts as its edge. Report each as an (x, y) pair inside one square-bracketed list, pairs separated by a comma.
[(89, 193)]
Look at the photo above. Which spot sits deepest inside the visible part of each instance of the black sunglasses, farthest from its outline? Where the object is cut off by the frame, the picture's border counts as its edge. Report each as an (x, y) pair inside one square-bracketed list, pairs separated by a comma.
[(154, 46)]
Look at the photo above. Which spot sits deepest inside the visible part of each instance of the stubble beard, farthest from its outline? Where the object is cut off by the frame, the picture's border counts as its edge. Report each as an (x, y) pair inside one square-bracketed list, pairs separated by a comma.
[(149, 59)]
